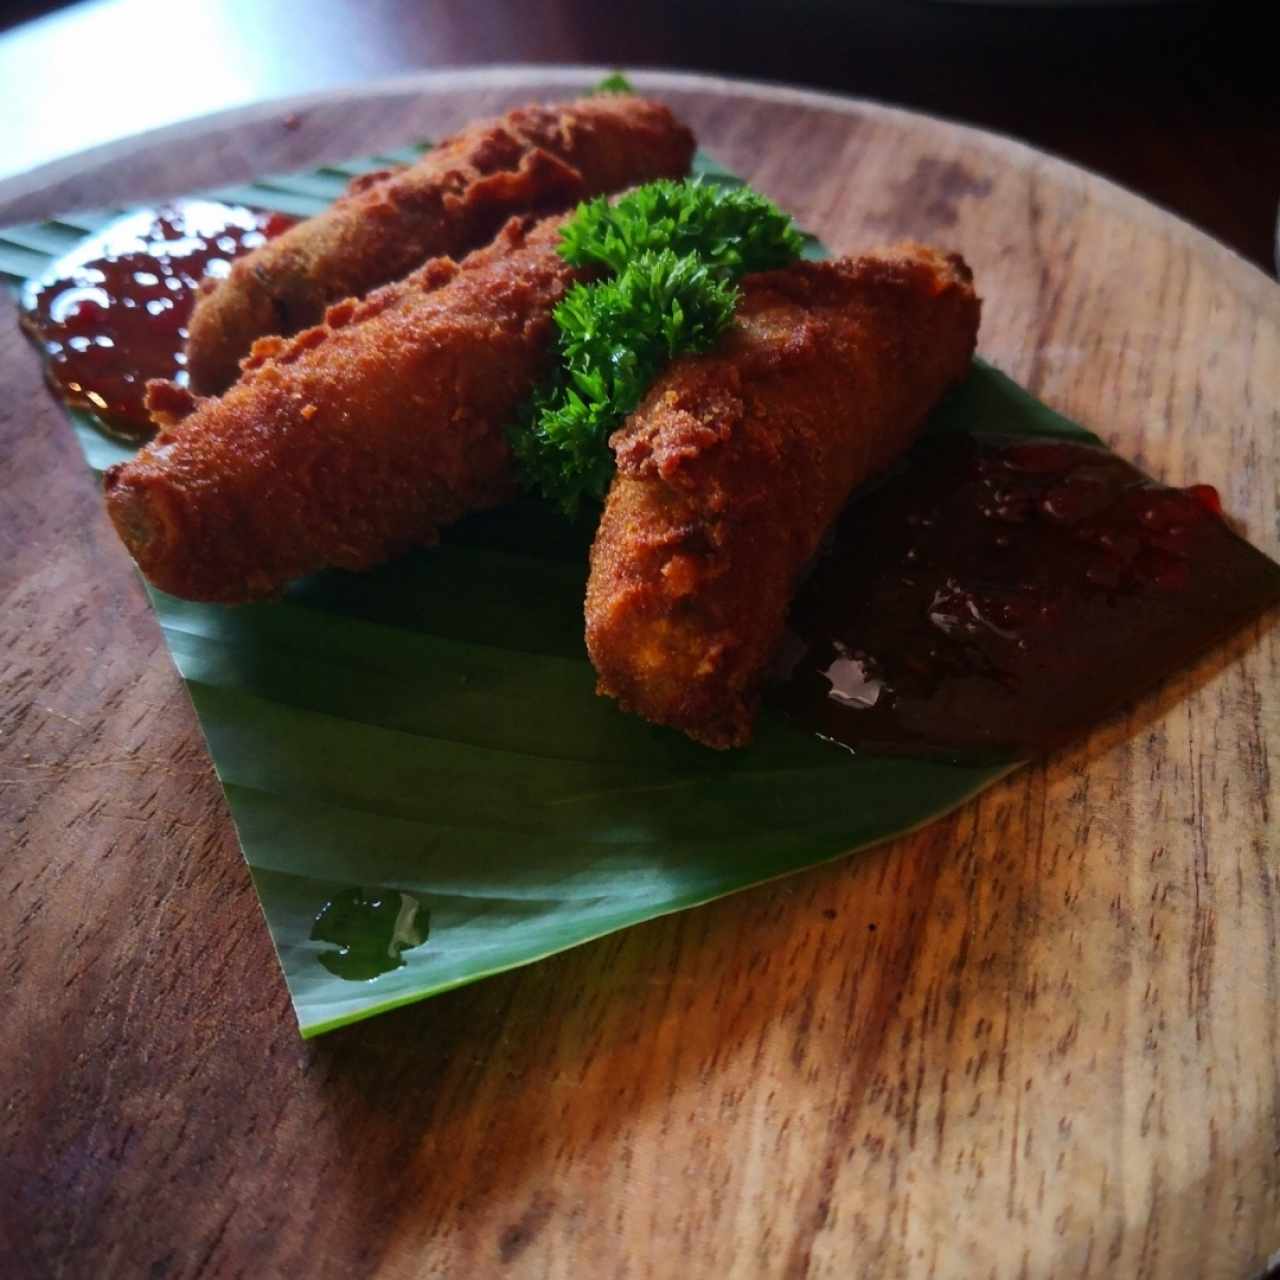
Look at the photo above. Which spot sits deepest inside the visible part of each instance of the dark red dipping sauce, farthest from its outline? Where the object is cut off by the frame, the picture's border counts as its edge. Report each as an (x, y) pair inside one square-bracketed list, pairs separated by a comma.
[(997, 595), (113, 314)]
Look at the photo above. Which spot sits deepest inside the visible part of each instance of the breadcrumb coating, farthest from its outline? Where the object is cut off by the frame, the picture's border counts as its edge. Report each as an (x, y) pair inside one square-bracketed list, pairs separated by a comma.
[(353, 440), (532, 160), (736, 462)]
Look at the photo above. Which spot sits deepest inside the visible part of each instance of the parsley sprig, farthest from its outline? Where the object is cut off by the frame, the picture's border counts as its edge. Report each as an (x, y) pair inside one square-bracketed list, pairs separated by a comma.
[(674, 251)]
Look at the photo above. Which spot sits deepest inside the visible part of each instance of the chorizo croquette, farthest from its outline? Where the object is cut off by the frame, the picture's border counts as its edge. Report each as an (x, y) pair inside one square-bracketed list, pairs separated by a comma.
[(353, 440), (736, 462), (533, 160)]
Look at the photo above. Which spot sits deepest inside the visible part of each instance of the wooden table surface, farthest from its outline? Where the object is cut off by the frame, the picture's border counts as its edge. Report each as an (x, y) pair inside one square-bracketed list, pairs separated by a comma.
[(1038, 1038)]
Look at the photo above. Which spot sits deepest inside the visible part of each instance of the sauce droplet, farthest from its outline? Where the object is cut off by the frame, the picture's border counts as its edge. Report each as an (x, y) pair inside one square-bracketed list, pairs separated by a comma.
[(370, 929)]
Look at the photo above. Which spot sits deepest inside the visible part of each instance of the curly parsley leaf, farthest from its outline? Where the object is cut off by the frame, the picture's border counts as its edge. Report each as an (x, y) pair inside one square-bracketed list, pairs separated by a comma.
[(733, 229), (615, 337), (675, 250), (615, 83)]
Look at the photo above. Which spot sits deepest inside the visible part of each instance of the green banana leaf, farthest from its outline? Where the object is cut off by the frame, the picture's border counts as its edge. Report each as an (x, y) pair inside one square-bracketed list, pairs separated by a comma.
[(425, 786)]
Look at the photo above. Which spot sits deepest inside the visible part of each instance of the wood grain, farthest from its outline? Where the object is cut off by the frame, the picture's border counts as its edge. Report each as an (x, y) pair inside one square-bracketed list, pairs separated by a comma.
[(1038, 1038)]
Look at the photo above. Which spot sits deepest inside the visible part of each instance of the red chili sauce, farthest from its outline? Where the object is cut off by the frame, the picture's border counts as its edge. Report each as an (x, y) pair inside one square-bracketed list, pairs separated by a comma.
[(997, 595), (113, 314)]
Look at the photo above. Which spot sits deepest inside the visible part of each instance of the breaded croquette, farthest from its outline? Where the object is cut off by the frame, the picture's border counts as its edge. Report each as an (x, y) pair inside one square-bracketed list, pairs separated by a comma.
[(533, 160), (736, 462), (353, 440)]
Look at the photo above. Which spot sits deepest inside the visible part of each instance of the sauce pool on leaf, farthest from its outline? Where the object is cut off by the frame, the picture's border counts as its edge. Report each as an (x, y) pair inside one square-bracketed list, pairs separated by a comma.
[(113, 313), (997, 595)]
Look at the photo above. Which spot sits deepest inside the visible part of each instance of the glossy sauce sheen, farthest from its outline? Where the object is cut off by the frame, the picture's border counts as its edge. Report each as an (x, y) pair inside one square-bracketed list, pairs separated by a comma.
[(1000, 594), (114, 313)]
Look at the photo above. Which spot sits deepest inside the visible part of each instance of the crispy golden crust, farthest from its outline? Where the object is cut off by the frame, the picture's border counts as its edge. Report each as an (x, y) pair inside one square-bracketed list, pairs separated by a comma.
[(353, 440), (736, 462), (534, 160)]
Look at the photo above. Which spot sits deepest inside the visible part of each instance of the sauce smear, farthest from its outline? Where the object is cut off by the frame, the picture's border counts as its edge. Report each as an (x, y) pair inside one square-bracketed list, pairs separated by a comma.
[(113, 313), (999, 594)]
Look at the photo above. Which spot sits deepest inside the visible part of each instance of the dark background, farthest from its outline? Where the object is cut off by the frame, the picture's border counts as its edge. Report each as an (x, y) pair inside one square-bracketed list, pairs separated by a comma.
[(1180, 102)]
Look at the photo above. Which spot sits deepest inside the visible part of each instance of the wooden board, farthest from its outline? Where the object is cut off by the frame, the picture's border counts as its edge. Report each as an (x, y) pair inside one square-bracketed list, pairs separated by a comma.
[(1038, 1038)]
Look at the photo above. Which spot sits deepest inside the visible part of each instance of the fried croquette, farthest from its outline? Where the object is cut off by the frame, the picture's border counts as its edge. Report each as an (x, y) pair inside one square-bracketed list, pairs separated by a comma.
[(736, 462), (353, 440), (532, 160)]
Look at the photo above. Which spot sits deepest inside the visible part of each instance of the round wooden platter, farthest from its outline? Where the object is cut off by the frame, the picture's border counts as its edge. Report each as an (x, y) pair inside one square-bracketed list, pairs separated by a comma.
[(1038, 1038)]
